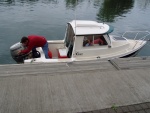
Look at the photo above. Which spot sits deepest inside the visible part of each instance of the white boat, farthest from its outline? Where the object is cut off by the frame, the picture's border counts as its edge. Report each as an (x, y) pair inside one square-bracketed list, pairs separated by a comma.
[(86, 40)]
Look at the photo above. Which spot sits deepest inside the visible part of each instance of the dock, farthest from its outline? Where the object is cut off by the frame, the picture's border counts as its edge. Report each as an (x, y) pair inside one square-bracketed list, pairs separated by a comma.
[(113, 86)]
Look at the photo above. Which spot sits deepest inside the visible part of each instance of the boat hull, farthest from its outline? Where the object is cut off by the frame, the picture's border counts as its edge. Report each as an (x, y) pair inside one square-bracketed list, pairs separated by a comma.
[(131, 55)]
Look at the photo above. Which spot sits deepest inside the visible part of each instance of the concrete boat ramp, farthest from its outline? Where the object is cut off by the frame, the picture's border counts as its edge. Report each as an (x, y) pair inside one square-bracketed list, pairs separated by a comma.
[(92, 86)]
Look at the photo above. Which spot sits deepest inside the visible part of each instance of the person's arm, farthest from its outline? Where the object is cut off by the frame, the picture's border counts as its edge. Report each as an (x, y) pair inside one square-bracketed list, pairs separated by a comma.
[(27, 50)]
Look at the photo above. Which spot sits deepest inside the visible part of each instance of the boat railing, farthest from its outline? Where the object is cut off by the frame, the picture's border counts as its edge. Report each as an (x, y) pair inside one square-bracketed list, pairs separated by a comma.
[(136, 35), (115, 37)]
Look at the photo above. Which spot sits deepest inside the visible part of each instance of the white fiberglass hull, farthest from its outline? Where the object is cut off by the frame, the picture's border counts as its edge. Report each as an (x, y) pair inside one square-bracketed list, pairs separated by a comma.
[(130, 50)]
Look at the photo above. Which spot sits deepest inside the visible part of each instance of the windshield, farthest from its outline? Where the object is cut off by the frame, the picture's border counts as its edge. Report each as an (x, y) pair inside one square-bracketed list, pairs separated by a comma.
[(69, 35)]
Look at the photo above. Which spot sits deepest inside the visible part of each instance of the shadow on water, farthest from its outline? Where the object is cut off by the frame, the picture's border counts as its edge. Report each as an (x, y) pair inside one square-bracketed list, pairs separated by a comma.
[(114, 8)]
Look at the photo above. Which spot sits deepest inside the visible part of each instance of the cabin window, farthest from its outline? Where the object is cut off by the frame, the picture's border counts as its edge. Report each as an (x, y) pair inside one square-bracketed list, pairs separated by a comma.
[(94, 40), (88, 41), (99, 39)]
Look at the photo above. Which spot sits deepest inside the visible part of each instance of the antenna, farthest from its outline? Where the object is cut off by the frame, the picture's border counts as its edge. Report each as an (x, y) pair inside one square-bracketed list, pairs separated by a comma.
[(103, 17), (75, 16)]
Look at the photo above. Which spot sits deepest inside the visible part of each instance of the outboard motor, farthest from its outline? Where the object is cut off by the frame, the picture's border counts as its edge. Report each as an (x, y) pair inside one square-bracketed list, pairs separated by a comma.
[(20, 58), (14, 50)]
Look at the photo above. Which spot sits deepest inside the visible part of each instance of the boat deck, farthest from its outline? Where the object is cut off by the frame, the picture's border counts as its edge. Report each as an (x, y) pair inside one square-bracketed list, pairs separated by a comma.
[(74, 87)]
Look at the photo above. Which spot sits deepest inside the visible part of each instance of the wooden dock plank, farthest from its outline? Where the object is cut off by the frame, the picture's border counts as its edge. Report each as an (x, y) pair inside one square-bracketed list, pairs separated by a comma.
[(55, 68), (132, 63), (60, 89)]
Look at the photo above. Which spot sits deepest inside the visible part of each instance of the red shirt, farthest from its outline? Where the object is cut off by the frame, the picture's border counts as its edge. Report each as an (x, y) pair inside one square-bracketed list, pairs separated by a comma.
[(34, 41), (97, 41)]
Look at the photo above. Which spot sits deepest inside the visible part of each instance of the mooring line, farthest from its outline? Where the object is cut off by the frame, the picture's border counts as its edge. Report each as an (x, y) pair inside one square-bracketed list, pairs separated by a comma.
[(114, 64)]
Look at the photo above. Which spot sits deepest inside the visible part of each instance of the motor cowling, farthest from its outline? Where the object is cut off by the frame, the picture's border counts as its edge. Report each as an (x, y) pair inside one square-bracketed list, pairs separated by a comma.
[(14, 49)]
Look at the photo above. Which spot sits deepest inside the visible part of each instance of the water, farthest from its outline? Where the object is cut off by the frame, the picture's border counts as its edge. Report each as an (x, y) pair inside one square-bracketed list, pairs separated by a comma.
[(49, 17)]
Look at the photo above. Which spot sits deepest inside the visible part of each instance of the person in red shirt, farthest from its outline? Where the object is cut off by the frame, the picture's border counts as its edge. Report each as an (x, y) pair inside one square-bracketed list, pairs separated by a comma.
[(32, 42), (99, 41)]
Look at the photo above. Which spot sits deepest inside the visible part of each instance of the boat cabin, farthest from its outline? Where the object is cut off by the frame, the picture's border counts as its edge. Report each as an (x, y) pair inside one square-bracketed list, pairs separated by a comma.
[(86, 38)]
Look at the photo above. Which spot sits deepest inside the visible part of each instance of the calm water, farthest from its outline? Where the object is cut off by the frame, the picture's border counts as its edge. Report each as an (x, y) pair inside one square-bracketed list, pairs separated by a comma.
[(49, 17)]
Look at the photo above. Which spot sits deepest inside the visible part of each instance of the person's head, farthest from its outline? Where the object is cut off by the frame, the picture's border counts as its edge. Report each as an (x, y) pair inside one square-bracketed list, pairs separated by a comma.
[(24, 41)]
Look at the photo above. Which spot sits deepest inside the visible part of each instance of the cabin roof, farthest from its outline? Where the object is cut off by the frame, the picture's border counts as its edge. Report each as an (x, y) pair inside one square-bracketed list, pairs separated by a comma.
[(86, 27)]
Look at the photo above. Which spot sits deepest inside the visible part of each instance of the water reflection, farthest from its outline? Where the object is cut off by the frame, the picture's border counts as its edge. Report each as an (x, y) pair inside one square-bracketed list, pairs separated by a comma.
[(72, 3), (98, 3), (113, 8), (6, 2), (2, 2), (143, 4)]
